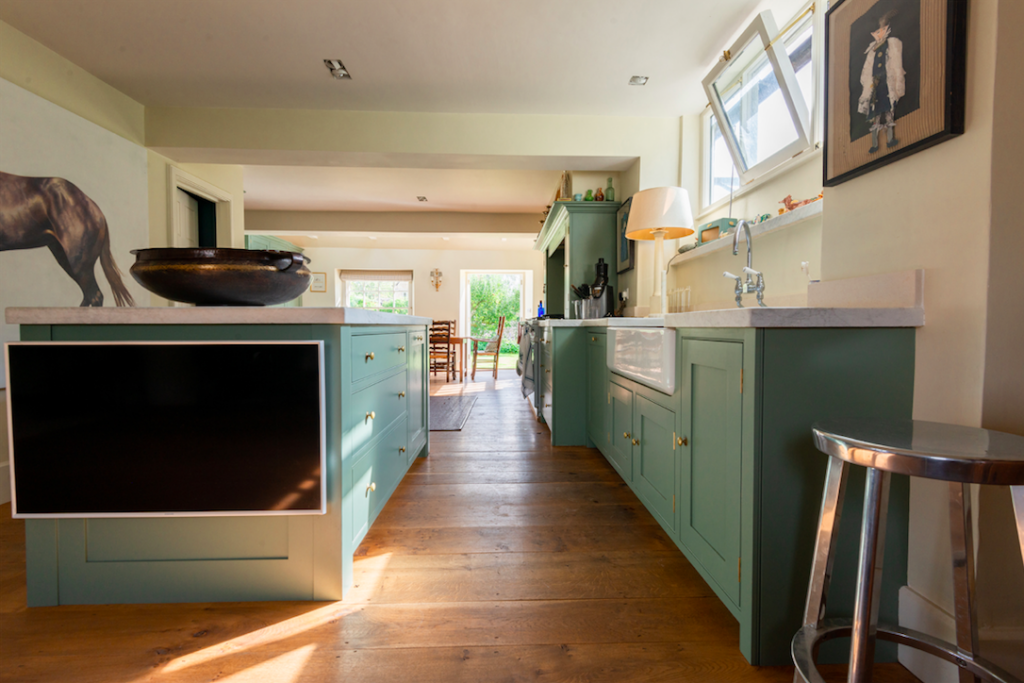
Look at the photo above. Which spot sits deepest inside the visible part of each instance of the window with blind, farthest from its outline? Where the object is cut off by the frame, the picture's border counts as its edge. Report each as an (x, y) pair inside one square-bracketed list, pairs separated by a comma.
[(388, 291)]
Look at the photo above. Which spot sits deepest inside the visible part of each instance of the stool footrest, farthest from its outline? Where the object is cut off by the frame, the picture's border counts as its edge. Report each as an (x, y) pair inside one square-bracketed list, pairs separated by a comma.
[(807, 639)]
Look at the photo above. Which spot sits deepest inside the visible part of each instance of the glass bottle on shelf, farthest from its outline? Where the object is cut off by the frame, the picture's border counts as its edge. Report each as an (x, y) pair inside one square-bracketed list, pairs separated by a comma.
[(599, 195), (609, 193)]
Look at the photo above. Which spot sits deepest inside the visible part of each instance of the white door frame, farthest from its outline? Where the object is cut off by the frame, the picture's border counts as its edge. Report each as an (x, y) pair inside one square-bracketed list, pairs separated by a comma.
[(179, 179), (464, 312)]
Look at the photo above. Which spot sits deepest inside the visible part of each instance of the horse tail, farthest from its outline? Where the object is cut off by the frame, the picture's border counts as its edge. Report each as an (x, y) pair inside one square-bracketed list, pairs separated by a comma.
[(122, 297)]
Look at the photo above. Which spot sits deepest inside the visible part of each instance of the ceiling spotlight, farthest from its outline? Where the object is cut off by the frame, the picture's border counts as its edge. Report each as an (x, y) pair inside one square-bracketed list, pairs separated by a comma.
[(372, 237), (504, 239), (337, 69), (446, 238), (638, 80), (421, 198), (313, 237)]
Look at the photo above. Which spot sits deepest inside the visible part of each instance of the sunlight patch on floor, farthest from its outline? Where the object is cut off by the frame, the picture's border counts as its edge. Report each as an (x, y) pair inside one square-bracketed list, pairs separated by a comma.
[(265, 636), (286, 668), (368, 576)]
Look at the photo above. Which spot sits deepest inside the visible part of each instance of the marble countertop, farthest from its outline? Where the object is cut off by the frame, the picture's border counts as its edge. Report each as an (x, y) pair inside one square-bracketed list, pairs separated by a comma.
[(605, 322), (799, 317), (765, 317), (208, 315)]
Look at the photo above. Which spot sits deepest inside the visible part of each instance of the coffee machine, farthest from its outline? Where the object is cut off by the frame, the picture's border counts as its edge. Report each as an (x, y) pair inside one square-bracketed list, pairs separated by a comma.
[(596, 300)]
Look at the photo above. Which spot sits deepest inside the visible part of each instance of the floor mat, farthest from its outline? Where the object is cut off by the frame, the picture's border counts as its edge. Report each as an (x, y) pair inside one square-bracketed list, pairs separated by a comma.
[(449, 413)]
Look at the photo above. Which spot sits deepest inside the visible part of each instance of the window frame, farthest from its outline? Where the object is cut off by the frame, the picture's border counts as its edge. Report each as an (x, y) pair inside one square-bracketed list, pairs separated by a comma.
[(344, 288), (763, 27)]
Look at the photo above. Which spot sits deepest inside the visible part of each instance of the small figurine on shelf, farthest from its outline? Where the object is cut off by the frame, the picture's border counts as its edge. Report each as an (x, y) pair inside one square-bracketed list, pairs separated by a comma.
[(589, 197), (790, 204), (609, 192), (599, 195)]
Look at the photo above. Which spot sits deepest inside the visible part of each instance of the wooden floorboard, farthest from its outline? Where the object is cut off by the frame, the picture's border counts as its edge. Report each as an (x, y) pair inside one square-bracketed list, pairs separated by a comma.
[(499, 558)]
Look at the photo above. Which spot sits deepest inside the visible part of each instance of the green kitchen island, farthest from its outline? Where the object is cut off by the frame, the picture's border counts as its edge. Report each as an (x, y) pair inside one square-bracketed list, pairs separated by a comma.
[(373, 363)]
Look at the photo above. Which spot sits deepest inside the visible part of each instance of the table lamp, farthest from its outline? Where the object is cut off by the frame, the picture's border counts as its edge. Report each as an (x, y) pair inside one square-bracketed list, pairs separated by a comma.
[(658, 214)]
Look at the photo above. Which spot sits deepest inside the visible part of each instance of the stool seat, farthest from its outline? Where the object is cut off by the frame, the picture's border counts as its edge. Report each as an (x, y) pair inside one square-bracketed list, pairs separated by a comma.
[(959, 455), (932, 450)]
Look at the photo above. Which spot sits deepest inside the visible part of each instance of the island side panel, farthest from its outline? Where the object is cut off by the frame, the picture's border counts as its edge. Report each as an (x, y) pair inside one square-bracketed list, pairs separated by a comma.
[(810, 375), (328, 530), (123, 577)]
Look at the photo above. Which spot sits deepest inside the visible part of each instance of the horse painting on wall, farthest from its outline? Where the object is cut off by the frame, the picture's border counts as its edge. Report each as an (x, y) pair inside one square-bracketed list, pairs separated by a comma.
[(54, 213)]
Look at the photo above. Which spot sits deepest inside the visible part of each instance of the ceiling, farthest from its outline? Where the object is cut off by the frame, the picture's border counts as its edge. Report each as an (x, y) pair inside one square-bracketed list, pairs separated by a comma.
[(513, 57), (306, 188)]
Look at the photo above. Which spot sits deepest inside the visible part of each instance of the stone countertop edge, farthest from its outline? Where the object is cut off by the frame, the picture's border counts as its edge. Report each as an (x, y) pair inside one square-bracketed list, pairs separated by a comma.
[(764, 317), (208, 315), (799, 317)]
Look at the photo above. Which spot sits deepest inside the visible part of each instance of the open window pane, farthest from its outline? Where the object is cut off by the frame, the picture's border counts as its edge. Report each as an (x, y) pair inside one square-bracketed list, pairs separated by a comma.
[(721, 172), (757, 100)]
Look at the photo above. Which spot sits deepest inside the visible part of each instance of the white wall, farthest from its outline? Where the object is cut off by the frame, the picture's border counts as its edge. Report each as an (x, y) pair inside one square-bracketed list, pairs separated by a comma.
[(440, 304)]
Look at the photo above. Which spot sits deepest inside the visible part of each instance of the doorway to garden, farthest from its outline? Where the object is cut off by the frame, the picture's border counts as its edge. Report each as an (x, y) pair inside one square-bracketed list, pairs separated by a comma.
[(485, 296)]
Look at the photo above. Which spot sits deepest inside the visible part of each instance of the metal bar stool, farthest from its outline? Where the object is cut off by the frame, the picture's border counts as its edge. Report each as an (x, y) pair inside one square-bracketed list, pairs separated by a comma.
[(959, 455)]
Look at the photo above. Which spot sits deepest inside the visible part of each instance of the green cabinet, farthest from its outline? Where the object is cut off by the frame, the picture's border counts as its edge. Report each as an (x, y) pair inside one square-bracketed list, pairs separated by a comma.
[(620, 450), (711, 424), (598, 396), (654, 458), (575, 235), (733, 445), (294, 557), (562, 383)]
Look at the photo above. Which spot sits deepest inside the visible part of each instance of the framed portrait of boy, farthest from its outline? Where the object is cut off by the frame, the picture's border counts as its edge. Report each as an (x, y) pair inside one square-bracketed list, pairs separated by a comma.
[(894, 81)]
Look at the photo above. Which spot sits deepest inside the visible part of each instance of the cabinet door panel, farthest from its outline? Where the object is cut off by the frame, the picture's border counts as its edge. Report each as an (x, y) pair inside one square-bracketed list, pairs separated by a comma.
[(598, 428), (415, 393), (364, 497), (654, 461), (711, 419), (621, 450)]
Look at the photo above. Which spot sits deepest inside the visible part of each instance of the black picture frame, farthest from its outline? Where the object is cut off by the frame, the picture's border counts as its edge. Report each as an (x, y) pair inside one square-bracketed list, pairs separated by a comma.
[(840, 155), (625, 249)]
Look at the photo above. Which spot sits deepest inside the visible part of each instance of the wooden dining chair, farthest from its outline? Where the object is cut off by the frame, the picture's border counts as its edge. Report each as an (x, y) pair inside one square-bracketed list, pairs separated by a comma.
[(490, 351), (441, 351)]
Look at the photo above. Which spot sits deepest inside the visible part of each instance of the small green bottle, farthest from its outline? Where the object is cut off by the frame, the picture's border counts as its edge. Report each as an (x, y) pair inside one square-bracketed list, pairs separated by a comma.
[(609, 193), (589, 197)]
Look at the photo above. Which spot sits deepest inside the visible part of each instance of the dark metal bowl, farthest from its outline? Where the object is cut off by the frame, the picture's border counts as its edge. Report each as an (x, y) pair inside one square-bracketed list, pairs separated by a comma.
[(222, 277)]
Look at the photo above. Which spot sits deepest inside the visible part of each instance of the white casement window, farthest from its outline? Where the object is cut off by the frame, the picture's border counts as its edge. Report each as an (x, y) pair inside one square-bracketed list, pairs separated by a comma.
[(762, 93), (388, 291)]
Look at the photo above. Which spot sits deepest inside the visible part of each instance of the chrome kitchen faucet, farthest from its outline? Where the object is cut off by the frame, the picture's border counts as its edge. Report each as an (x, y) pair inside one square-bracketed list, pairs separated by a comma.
[(749, 286)]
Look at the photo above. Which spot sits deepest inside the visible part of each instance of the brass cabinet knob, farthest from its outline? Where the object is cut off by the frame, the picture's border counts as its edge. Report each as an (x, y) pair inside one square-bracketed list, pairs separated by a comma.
[(371, 415), (371, 487), (625, 435), (548, 370), (418, 338), (593, 339), (547, 405), (636, 442), (683, 441), (369, 356), (402, 449), (401, 394), (401, 349)]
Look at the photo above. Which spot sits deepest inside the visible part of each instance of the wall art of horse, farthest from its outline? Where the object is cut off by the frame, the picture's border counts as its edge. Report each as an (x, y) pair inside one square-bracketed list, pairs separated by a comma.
[(54, 213)]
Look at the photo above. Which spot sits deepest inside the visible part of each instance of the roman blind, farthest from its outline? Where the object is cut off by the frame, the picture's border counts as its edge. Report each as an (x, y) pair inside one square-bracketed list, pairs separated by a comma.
[(376, 275)]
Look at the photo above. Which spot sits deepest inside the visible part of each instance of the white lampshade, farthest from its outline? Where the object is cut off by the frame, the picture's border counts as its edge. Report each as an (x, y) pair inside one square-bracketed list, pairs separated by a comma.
[(664, 210)]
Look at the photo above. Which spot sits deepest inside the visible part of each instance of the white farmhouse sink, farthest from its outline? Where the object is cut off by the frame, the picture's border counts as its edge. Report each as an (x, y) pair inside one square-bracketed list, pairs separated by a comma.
[(645, 355)]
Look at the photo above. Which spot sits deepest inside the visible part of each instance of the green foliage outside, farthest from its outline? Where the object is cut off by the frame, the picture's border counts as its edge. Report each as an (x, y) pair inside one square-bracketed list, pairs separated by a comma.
[(493, 295)]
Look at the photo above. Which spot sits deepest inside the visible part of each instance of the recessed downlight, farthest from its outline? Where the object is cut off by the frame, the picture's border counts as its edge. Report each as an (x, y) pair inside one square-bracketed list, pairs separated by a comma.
[(337, 69), (421, 198), (372, 237), (638, 80), (446, 238), (313, 237)]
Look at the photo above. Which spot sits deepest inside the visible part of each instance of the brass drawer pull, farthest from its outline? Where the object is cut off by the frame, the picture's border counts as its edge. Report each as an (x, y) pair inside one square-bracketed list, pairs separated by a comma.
[(401, 349), (683, 441), (369, 356), (636, 442), (401, 394), (548, 370), (418, 338), (547, 405), (371, 415), (402, 449), (371, 487), (625, 435), (593, 339)]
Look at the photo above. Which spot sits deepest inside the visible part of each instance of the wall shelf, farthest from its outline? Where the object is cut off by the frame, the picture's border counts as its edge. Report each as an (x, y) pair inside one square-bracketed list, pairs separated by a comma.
[(786, 220)]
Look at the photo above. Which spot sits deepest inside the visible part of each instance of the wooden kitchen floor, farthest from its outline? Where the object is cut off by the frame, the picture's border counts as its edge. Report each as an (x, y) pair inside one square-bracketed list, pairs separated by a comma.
[(499, 558)]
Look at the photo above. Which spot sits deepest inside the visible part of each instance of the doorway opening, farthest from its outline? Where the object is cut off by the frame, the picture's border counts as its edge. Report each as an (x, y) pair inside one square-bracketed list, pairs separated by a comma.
[(486, 296)]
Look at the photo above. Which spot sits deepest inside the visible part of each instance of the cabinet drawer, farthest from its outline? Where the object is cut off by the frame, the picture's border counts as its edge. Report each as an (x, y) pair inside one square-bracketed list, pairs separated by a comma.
[(392, 462), (373, 409), (375, 353)]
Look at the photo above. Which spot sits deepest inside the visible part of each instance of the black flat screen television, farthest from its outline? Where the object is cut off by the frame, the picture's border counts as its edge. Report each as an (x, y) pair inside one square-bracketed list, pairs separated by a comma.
[(158, 429)]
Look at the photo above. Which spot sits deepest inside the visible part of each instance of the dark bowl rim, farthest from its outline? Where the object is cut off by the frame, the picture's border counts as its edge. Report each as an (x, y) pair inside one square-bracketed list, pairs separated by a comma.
[(213, 254)]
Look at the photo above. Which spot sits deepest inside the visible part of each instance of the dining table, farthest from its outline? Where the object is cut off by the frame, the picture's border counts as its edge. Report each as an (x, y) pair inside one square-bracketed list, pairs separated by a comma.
[(460, 351)]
